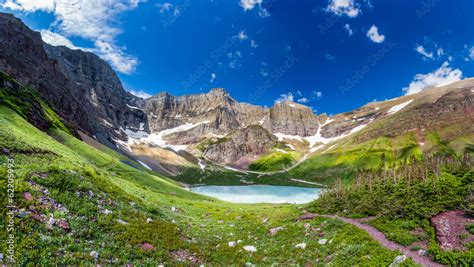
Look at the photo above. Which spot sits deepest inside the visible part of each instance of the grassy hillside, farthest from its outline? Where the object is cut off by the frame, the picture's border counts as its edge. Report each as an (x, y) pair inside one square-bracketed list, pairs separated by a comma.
[(275, 161), (403, 201), (342, 159), (80, 205)]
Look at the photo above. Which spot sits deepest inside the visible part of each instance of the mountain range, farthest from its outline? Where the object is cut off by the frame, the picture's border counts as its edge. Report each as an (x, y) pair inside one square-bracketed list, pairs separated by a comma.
[(172, 133), (98, 176)]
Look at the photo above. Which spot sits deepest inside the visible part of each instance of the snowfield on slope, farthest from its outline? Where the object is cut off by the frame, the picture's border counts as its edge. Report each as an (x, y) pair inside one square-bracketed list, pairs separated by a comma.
[(398, 107), (137, 137)]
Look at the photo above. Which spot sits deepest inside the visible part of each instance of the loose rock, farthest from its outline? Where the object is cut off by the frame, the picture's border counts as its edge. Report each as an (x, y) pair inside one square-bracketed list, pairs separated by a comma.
[(250, 248), (301, 245), (398, 260)]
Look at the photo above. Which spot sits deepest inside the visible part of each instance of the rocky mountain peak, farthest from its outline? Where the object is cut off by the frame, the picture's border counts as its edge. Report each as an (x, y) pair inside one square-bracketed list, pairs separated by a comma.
[(219, 91)]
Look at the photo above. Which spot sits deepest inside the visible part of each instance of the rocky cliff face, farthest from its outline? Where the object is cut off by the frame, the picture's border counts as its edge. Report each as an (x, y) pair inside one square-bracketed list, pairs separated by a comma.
[(112, 106), (80, 86), (250, 141), (226, 114)]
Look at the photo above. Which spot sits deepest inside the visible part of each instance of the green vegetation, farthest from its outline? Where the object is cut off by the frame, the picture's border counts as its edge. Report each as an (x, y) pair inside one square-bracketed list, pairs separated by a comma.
[(404, 199), (403, 231), (28, 104), (275, 161), (348, 157), (83, 206), (470, 228)]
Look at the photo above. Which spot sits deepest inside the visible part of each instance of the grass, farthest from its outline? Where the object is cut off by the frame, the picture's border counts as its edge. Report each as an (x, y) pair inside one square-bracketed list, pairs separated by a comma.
[(404, 200), (185, 227), (275, 161), (403, 231)]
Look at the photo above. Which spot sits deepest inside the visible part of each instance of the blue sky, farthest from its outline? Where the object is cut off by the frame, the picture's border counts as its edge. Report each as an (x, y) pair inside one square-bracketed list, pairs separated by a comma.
[(332, 55)]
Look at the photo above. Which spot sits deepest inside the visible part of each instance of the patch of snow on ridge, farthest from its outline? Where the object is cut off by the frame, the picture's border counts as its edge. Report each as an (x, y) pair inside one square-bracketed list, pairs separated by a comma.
[(318, 138), (132, 107), (201, 164), (398, 107), (144, 165), (290, 146), (282, 136), (157, 138), (281, 150)]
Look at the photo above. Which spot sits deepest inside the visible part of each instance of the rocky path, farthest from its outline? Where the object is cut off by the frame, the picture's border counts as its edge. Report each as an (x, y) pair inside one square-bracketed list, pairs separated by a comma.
[(423, 260)]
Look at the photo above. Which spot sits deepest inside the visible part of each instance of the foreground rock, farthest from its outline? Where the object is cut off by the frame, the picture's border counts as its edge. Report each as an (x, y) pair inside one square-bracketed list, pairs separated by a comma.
[(450, 226)]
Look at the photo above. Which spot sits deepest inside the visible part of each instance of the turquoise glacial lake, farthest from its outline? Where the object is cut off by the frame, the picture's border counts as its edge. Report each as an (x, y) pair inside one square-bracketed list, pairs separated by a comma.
[(260, 193)]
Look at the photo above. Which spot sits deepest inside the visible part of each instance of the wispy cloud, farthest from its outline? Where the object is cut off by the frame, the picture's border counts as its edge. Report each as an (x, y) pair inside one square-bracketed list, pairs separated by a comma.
[(213, 77), (285, 97), (421, 50), (470, 53), (242, 35), (442, 76), (349, 30), (317, 94), (374, 35), (253, 44), (429, 54), (303, 100), (248, 5), (344, 7), (92, 20), (56, 39)]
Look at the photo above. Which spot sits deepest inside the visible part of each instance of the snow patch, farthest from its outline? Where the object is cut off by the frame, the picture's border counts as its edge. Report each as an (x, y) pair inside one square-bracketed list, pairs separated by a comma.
[(290, 146), (398, 107), (318, 138), (144, 165), (136, 137), (282, 136), (201, 164), (281, 150), (132, 107)]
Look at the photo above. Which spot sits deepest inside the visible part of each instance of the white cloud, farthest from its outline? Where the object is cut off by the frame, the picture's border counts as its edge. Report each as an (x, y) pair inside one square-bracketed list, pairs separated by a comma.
[(303, 100), (249, 4), (285, 97), (470, 52), (92, 20), (164, 7), (264, 72), (56, 39), (116, 57), (374, 35), (242, 35), (349, 30), (253, 44), (442, 76), (420, 49), (263, 13), (344, 7), (140, 94), (29, 5), (213, 77), (318, 94), (440, 52)]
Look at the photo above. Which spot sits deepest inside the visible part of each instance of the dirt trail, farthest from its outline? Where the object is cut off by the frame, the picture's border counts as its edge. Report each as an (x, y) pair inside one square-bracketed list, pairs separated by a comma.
[(379, 236)]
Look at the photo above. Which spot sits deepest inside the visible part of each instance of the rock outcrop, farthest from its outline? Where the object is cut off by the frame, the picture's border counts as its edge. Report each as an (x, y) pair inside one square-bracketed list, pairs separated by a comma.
[(81, 87), (252, 140), (226, 114)]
